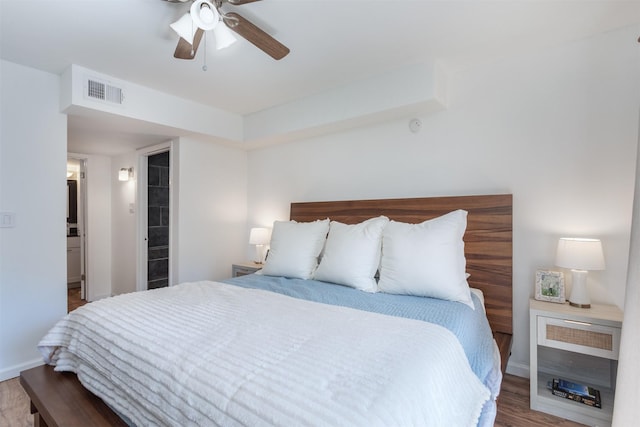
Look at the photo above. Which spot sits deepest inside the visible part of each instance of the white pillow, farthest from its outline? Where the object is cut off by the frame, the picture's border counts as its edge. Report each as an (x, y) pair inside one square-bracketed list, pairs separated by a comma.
[(295, 247), (352, 254), (426, 259), (480, 296)]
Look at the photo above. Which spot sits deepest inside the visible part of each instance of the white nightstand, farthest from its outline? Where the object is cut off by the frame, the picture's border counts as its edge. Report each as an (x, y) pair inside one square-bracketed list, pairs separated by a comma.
[(576, 344), (244, 268)]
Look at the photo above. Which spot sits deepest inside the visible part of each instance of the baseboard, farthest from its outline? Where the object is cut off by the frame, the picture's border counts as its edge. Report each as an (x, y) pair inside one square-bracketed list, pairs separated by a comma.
[(99, 297), (518, 369), (14, 371)]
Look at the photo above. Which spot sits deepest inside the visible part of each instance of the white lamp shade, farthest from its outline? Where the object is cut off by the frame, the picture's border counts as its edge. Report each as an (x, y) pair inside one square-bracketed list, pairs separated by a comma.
[(185, 28), (580, 254), (259, 236), (224, 36), (204, 14)]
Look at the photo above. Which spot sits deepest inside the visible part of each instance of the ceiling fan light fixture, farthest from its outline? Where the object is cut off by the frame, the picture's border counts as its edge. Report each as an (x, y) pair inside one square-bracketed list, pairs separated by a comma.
[(184, 27), (204, 14), (224, 37)]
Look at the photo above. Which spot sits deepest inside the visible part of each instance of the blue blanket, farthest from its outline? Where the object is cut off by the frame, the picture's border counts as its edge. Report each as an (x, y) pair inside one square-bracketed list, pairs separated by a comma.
[(470, 326)]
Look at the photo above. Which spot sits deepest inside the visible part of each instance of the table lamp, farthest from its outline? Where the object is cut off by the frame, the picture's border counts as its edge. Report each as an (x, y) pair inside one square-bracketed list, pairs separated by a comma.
[(259, 237), (580, 255)]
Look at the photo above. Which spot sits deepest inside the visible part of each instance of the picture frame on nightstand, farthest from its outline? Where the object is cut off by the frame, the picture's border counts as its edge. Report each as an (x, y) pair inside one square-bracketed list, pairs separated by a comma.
[(550, 286)]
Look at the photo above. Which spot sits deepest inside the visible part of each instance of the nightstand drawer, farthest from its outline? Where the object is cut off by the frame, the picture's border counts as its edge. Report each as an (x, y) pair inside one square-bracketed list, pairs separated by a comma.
[(582, 337), (244, 268), (241, 271)]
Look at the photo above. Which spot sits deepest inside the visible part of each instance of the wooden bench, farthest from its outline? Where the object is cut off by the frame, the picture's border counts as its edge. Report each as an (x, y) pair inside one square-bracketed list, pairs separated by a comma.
[(58, 399)]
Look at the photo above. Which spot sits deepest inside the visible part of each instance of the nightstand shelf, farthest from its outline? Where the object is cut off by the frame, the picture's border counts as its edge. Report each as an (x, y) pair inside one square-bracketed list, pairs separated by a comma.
[(578, 345), (566, 408), (244, 268)]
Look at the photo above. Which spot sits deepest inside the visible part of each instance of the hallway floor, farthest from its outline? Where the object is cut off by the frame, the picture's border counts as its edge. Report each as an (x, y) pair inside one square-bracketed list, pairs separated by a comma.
[(73, 299)]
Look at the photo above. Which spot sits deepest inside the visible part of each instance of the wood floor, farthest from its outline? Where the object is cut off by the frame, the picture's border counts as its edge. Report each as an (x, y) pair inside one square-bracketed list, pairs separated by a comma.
[(513, 406), (73, 299), (14, 405)]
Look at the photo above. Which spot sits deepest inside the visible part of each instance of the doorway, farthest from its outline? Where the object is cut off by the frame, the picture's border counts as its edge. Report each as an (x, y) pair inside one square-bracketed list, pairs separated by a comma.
[(76, 233), (155, 219), (158, 220)]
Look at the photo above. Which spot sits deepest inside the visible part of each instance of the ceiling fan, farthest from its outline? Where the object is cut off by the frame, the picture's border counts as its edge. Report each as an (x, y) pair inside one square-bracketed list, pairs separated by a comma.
[(205, 15)]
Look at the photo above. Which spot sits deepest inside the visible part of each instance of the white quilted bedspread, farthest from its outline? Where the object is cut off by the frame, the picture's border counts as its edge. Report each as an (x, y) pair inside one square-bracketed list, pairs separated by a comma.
[(207, 353)]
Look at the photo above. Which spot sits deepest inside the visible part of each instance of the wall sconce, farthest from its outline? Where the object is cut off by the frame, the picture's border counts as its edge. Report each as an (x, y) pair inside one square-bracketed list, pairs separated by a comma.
[(580, 255), (259, 237), (125, 174)]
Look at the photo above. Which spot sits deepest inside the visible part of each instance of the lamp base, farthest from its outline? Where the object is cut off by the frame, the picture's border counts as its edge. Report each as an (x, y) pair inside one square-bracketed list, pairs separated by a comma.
[(579, 293), (259, 254), (575, 304)]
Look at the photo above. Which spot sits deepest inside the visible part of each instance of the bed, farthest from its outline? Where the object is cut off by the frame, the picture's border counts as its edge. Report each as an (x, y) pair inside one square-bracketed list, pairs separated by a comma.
[(295, 351)]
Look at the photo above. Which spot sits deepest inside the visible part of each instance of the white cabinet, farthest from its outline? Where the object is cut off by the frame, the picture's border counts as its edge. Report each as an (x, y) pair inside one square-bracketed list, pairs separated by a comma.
[(73, 259), (576, 344)]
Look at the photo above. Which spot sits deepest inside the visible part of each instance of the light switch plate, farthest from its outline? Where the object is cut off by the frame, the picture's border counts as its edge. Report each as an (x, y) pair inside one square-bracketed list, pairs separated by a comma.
[(7, 219)]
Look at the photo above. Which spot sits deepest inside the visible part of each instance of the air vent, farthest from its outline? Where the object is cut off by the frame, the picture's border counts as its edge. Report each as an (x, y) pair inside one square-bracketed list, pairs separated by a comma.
[(103, 91)]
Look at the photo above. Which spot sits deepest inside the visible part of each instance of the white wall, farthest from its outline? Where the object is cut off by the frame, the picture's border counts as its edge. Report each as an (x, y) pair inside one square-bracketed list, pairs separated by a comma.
[(33, 162), (124, 225), (212, 209), (557, 128)]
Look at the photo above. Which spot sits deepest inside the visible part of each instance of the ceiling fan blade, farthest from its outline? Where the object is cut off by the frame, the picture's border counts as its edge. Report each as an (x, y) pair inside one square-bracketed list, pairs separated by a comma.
[(184, 49), (239, 2), (255, 35)]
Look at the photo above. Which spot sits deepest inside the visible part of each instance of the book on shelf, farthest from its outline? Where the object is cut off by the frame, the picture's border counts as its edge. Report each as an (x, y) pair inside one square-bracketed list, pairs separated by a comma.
[(576, 392)]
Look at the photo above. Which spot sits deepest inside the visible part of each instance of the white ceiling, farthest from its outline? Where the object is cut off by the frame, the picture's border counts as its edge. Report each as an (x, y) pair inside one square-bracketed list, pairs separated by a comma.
[(332, 42)]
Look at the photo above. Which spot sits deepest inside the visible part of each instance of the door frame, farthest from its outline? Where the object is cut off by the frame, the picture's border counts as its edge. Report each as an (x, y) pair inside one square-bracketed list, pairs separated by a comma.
[(82, 221), (142, 212)]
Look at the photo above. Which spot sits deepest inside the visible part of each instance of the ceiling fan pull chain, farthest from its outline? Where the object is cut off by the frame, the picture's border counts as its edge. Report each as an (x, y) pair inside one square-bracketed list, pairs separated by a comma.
[(193, 52), (204, 67)]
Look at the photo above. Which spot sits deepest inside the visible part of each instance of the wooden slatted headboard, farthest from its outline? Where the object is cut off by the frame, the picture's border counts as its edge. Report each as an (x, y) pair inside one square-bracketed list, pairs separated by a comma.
[(488, 239)]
